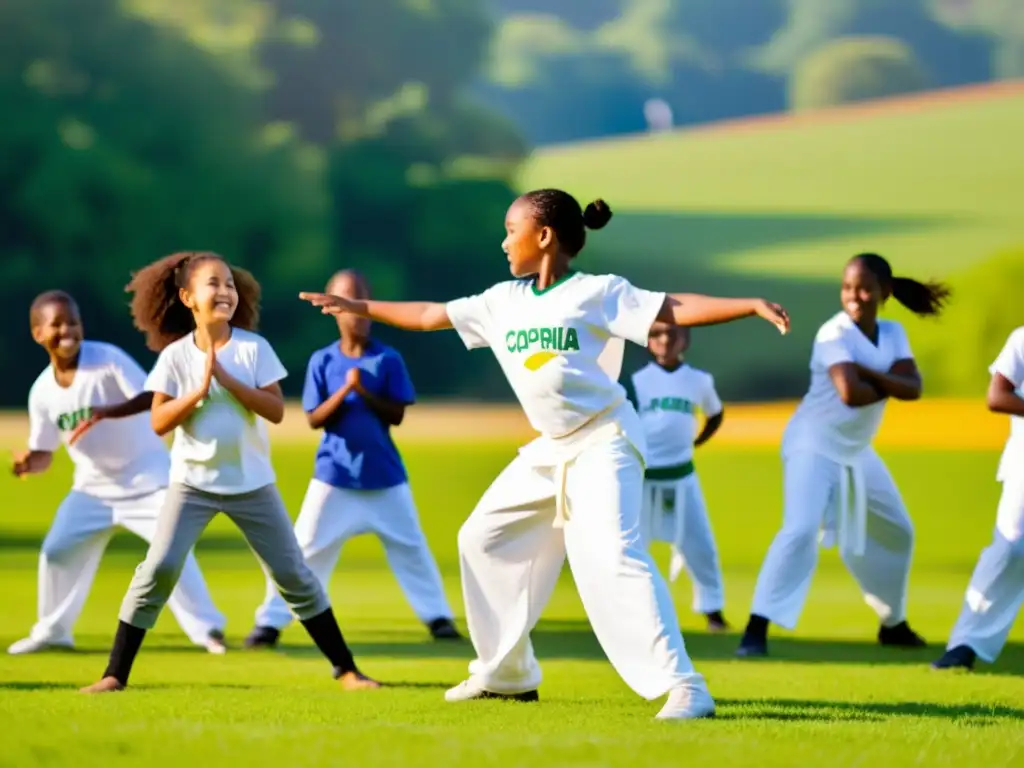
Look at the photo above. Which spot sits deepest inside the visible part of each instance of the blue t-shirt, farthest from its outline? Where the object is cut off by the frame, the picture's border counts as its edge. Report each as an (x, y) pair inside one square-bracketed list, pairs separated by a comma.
[(356, 451)]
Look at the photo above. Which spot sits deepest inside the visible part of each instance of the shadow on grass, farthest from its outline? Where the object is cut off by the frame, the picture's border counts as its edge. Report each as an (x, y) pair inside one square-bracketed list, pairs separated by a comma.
[(873, 711), (567, 640)]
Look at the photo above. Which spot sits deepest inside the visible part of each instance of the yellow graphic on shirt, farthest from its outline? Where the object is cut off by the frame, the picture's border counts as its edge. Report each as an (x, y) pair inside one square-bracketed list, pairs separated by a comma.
[(537, 359), (542, 344)]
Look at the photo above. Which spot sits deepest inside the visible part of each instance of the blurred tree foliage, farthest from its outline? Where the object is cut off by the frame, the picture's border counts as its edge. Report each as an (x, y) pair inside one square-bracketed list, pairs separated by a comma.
[(298, 137), (564, 80), (851, 69)]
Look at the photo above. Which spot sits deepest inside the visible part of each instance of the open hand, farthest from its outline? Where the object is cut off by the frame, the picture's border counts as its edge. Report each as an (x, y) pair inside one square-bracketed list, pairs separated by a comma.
[(329, 304), (774, 314)]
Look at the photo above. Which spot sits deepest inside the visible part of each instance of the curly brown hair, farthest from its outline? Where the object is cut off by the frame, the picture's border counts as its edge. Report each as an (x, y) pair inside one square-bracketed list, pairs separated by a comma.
[(157, 308)]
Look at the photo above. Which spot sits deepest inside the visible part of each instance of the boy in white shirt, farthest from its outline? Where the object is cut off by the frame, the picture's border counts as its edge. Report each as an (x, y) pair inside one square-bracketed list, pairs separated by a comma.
[(90, 398), (835, 484), (577, 490), (996, 591), (214, 385), (667, 394)]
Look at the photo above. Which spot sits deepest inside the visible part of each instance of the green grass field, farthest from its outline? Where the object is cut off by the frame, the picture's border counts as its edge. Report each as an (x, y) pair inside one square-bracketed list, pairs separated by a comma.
[(776, 207), (828, 693)]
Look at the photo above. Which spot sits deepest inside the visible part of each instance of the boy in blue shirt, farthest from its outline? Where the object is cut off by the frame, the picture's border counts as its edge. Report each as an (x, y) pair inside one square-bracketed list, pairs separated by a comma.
[(355, 390)]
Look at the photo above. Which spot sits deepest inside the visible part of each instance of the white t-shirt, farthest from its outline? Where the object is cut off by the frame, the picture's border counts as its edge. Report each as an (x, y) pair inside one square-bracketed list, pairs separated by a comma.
[(667, 402), (115, 458), (822, 422), (222, 447), (1010, 365), (560, 348)]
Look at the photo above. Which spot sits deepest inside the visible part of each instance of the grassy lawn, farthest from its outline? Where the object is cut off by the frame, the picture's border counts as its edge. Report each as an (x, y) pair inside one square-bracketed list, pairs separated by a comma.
[(828, 692)]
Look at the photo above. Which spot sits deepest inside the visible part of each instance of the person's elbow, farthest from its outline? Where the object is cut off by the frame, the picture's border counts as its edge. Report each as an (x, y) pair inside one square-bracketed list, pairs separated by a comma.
[(159, 424), (845, 392), (397, 416), (275, 414)]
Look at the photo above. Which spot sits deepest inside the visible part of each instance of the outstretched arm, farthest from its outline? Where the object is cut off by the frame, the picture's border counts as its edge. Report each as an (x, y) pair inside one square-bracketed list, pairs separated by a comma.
[(408, 315), (691, 309)]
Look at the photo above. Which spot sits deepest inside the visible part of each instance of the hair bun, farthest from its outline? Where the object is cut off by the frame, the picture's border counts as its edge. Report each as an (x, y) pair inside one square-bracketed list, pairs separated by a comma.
[(596, 214)]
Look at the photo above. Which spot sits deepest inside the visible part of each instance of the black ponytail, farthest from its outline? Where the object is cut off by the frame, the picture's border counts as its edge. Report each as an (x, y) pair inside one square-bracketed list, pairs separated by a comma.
[(924, 299)]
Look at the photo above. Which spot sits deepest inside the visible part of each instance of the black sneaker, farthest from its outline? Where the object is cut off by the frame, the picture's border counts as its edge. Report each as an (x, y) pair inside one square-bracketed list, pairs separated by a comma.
[(443, 629), (263, 637), (901, 636), (961, 657)]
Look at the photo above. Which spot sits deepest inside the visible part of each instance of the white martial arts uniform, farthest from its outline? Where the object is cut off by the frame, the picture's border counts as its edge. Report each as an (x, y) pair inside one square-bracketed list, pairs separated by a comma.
[(575, 491), (120, 478), (674, 507), (836, 488), (996, 591)]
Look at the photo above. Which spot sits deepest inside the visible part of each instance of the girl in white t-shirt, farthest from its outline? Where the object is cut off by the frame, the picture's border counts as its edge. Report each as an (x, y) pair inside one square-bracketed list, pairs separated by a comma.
[(576, 490), (835, 484), (214, 385), (91, 398), (996, 590)]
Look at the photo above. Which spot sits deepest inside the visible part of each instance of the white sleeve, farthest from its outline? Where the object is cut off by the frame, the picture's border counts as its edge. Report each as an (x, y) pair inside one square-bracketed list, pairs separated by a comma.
[(1010, 363), (129, 374), (629, 312), (472, 318), (830, 347), (903, 351), (269, 368), (163, 378), (43, 434), (710, 403)]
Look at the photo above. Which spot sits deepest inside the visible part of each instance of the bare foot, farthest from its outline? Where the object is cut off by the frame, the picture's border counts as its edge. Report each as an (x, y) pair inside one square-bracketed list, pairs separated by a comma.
[(106, 685), (357, 681)]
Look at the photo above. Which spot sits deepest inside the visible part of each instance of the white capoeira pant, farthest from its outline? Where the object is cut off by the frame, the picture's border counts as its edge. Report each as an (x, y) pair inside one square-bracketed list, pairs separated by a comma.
[(996, 590), (675, 513), (858, 504), (71, 554), (579, 497), (331, 516)]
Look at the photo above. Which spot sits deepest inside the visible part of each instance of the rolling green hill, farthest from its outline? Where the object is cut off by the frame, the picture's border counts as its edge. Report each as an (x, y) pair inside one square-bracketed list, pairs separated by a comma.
[(774, 207)]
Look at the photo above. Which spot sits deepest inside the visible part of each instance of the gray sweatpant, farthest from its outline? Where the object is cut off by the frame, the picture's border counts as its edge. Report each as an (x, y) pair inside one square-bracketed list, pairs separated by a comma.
[(263, 520)]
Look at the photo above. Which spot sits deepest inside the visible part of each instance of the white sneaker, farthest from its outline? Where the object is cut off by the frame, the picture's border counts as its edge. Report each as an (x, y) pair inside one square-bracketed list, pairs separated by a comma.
[(472, 688), (215, 644), (688, 702), (31, 645)]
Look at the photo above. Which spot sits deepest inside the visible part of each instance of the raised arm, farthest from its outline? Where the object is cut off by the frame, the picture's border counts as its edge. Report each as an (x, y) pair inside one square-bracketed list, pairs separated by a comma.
[(408, 315), (692, 309), (168, 413)]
